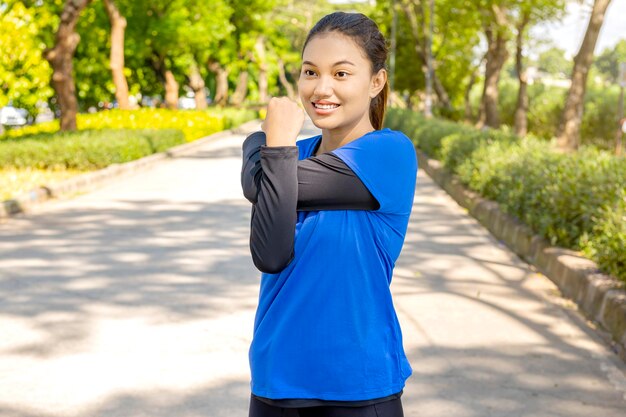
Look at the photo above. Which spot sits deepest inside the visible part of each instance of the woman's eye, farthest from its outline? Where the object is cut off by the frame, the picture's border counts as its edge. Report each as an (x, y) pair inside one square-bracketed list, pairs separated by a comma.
[(342, 72), (306, 72)]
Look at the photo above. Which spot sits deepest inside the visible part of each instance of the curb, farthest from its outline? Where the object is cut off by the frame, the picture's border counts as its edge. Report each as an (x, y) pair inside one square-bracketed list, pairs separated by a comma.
[(601, 297), (25, 202)]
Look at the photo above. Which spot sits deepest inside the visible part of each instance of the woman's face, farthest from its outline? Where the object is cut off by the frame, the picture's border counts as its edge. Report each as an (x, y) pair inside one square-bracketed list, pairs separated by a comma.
[(335, 72)]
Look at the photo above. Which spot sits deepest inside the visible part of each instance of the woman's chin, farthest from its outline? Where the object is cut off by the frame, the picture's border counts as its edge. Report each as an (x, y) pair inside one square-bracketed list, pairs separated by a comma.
[(322, 122)]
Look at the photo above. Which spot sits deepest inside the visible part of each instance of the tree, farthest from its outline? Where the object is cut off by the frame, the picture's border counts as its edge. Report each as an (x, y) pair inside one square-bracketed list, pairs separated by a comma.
[(60, 58), (553, 62), (415, 14), (529, 12), (569, 130), (118, 26), (208, 24), (521, 110), (497, 33)]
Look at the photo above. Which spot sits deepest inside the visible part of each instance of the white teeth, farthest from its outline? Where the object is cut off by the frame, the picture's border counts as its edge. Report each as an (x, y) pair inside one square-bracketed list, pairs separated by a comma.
[(325, 106)]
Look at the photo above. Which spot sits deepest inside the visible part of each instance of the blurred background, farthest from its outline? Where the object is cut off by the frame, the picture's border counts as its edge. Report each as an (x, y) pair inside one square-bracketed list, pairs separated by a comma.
[(190, 54)]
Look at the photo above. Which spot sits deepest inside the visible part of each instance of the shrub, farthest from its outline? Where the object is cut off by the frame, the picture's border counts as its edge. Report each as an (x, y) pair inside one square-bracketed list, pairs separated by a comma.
[(572, 200), (85, 150), (607, 241), (193, 123), (41, 153)]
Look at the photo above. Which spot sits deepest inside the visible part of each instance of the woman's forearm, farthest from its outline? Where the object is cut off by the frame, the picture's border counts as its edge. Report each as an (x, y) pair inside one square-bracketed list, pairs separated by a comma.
[(274, 214), (325, 182)]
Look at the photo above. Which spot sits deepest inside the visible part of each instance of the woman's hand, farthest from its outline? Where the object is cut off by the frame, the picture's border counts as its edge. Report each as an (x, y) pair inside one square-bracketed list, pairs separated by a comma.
[(283, 122)]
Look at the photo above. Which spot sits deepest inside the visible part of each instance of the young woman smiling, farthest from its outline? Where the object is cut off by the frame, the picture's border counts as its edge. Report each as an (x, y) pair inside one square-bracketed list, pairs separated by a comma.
[(328, 222)]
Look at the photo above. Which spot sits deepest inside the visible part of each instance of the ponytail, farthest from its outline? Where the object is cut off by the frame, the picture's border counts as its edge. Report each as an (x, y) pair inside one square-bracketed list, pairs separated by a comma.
[(378, 106)]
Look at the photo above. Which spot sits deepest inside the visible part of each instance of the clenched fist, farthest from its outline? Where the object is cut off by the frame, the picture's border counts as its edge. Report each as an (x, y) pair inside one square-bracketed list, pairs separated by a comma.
[(283, 122)]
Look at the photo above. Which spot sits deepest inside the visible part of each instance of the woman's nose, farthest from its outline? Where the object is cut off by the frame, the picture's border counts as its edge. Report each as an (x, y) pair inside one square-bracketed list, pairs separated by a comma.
[(323, 87)]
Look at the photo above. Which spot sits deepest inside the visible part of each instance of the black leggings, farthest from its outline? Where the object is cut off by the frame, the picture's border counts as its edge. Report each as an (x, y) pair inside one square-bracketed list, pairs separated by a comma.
[(391, 408)]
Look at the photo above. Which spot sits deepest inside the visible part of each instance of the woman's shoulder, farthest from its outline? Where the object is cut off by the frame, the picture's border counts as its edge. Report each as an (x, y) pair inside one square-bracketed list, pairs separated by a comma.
[(397, 135), (394, 140)]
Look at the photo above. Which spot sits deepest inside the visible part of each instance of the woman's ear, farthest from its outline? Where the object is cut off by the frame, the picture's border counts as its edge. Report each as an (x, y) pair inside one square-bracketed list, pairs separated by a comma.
[(378, 82)]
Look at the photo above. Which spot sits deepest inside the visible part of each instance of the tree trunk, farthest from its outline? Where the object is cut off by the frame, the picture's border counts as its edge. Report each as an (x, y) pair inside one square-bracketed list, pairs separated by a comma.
[(569, 129), (241, 90), (440, 90), (60, 59), (118, 26), (259, 47), (468, 90), (521, 112), (171, 90), (283, 80), (496, 56), (420, 50), (221, 88), (197, 85)]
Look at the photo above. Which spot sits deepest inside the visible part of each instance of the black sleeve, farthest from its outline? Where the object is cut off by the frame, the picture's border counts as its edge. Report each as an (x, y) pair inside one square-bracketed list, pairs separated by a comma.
[(278, 185), (274, 215), (325, 182)]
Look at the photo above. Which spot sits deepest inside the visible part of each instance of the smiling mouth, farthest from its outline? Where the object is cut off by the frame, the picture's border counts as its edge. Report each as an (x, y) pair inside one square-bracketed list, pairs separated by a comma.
[(325, 106)]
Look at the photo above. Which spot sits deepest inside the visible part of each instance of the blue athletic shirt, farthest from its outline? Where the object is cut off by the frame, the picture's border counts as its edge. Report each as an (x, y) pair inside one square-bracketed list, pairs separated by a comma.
[(325, 326)]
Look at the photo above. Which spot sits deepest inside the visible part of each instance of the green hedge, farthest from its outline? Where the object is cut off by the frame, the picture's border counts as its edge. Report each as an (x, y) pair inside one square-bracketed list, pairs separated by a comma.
[(39, 153), (193, 123), (577, 201), (599, 122), (112, 136), (87, 149)]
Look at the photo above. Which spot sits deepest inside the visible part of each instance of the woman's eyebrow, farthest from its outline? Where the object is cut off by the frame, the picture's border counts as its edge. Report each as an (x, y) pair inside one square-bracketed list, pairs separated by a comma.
[(334, 65)]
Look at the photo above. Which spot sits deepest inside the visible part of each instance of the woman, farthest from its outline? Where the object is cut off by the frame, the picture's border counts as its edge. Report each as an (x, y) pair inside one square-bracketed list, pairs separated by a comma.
[(328, 222)]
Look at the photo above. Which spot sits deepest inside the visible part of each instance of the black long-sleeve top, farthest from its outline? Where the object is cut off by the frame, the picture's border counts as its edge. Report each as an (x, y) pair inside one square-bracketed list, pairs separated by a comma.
[(278, 185)]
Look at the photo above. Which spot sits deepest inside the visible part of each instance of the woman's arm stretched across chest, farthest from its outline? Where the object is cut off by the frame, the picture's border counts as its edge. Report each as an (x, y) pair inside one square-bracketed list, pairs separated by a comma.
[(325, 182), (278, 185)]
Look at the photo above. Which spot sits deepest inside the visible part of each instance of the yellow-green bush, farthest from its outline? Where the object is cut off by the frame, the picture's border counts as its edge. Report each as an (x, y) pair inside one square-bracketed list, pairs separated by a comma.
[(32, 155), (574, 200), (193, 123)]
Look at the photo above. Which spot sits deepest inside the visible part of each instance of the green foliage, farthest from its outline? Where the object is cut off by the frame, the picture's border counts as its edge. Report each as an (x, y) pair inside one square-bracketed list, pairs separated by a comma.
[(40, 154), (572, 200), (85, 150), (600, 117), (427, 134), (607, 241), (192, 123), (599, 122), (553, 62), (608, 62), (92, 74), (24, 73), (546, 108), (456, 147), (233, 116), (456, 32)]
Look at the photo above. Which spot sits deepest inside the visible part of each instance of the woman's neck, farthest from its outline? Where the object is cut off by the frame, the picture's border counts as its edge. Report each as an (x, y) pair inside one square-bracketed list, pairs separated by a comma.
[(332, 140)]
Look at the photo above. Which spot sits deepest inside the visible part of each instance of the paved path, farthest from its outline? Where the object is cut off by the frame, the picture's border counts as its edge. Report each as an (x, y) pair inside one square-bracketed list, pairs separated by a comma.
[(138, 299)]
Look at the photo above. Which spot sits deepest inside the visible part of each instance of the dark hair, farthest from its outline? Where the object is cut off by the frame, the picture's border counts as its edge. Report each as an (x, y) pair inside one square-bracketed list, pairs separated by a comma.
[(365, 33)]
